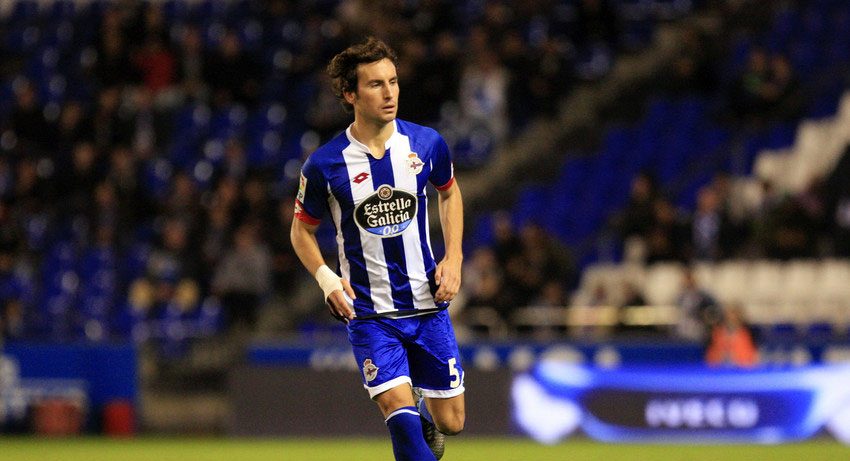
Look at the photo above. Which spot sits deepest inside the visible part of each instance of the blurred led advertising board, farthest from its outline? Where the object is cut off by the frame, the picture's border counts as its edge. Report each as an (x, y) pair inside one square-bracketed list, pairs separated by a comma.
[(554, 400)]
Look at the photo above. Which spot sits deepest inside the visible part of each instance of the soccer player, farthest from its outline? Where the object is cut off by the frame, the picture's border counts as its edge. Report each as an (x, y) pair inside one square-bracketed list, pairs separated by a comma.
[(389, 290)]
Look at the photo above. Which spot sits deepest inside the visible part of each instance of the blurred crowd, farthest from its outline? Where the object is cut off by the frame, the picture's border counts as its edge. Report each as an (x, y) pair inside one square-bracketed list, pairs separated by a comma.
[(150, 149), (726, 224)]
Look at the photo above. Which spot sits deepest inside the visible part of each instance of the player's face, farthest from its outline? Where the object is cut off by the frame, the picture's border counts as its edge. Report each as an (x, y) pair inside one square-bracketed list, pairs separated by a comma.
[(376, 98)]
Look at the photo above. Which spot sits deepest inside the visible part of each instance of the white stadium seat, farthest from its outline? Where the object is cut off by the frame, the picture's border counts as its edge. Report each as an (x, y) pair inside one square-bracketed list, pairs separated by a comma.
[(663, 283)]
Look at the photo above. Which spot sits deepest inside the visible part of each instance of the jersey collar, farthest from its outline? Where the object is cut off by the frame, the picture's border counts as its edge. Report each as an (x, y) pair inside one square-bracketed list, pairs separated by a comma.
[(362, 147)]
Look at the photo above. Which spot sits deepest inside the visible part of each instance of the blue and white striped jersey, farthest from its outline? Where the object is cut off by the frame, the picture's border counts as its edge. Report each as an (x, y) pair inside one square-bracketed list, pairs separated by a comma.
[(379, 208)]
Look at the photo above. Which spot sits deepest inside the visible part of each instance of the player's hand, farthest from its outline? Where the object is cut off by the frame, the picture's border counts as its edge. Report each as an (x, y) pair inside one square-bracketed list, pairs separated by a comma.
[(340, 302), (448, 279)]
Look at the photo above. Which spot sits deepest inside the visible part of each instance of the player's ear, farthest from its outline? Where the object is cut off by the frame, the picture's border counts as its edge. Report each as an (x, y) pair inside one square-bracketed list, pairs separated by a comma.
[(349, 96)]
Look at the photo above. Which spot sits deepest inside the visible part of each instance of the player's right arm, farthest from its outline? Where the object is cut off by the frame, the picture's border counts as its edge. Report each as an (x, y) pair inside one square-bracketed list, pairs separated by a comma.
[(303, 237)]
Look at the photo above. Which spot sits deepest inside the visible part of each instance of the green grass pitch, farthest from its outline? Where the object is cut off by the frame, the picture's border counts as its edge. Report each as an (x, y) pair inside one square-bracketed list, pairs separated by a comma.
[(457, 449)]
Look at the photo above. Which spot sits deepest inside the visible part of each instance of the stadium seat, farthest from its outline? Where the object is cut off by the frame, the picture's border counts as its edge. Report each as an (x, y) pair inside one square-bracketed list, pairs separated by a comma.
[(731, 281), (663, 283), (833, 290)]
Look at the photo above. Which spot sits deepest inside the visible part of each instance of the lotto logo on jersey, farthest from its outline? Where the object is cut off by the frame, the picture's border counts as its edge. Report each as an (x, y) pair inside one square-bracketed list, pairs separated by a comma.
[(387, 212)]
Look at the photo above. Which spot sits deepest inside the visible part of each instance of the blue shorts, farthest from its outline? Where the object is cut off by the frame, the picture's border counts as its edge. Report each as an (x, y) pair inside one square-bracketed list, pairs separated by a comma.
[(421, 351)]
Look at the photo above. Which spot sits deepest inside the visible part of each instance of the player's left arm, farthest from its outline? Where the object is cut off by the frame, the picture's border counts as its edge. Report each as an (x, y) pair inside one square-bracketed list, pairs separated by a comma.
[(451, 219)]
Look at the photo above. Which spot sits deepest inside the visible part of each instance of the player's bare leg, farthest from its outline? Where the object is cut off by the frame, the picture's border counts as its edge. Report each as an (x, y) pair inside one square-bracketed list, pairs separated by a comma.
[(440, 417), (395, 398), (449, 414)]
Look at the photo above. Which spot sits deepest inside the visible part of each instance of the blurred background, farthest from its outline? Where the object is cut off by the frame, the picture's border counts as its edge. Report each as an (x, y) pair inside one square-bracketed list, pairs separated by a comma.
[(646, 183)]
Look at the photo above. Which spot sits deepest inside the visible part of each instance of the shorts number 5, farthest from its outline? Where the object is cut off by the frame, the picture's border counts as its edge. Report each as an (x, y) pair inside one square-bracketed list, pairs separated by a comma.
[(454, 373)]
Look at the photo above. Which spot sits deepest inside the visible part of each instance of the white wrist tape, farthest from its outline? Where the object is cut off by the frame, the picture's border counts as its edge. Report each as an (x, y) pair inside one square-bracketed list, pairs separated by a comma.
[(328, 281)]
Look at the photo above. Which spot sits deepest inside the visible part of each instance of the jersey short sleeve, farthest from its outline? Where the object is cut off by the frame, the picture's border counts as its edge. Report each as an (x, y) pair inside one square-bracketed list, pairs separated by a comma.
[(442, 169), (312, 198)]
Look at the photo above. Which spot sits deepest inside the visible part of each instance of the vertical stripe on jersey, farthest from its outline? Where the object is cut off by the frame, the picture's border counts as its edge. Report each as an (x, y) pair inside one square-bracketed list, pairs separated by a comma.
[(348, 241), (416, 257), (371, 250), (383, 173)]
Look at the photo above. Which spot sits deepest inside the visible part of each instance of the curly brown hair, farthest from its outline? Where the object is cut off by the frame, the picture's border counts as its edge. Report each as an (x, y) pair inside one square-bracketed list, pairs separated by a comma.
[(343, 67)]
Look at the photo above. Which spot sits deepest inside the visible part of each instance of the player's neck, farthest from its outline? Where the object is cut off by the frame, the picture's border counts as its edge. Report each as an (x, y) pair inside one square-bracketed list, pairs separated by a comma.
[(373, 135)]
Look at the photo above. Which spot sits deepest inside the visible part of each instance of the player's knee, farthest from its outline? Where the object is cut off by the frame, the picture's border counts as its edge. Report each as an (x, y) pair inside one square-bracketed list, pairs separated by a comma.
[(451, 424)]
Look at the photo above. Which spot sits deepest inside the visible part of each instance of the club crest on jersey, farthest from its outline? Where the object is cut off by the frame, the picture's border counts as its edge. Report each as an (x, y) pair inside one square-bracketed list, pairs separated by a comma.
[(370, 370), (387, 212), (414, 165)]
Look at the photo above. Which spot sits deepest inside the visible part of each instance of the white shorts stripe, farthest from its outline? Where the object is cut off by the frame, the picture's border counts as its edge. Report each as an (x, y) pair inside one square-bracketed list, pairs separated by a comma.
[(374, 391), (442, 394)]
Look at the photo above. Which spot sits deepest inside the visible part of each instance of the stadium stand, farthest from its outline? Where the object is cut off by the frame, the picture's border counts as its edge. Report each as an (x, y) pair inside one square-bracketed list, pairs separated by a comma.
[(152, 110), (156, 128), (768, 164)]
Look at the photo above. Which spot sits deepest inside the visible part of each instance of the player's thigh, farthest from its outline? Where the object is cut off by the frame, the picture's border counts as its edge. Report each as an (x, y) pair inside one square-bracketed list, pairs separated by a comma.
[(394, 398), (449, 414), (435, 365), (380, 354)]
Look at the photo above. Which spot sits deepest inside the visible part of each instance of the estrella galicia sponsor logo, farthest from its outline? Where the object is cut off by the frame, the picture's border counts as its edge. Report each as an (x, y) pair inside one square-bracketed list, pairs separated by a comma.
[(387, 212)]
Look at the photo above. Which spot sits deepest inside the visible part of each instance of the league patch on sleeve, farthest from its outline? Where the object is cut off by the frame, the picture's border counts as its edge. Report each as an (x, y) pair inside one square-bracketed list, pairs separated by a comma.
[(302, 188)]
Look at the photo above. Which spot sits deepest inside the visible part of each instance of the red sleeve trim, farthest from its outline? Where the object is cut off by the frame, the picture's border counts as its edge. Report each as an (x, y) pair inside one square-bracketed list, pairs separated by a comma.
[(304, 216), (446, 185)]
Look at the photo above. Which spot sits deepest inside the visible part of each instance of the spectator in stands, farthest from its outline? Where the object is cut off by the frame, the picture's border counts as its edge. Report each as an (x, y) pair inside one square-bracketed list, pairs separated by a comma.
[(76, 184), (190, 64), (149, 125), (232, 73), (837, 202), (782, 95), (518, 63), (731, 343), (111, 125), (13, 288), (483, 95), (113, 66), (597, 38), (441, 86), (483, 283), (698, 310), (667, 236), (692, 69), (155, 64), (737, 230), (768, 89), (133, 200), (182, 201), (73, 127), (242, 279), (324, 116), (172, 266), (789, 231), (632, 297), (28, 122), (506, 243), (708, 227), (286, 268), (747, 90), (550, 78), (412, 72), (542, 260), (637, 217)]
